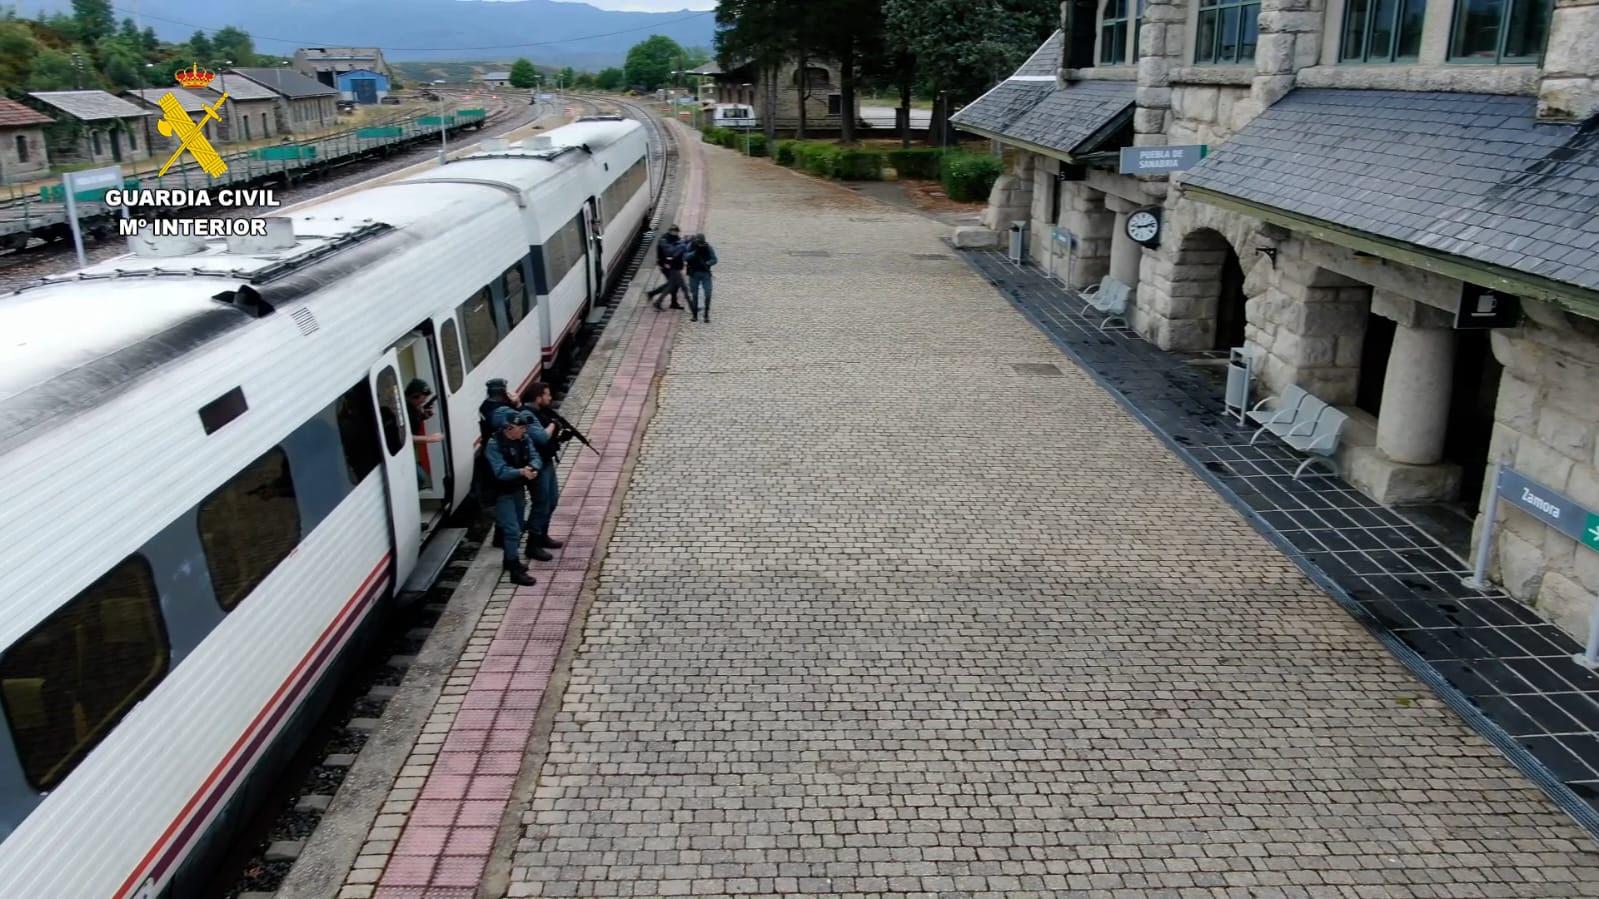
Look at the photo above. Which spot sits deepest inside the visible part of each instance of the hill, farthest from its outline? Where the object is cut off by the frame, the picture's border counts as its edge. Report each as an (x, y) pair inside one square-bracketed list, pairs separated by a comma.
[(553, 33)]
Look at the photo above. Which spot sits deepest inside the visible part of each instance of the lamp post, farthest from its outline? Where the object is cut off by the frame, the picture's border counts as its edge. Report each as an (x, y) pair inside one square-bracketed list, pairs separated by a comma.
[(444, 147), (144, 85), (222, 68)]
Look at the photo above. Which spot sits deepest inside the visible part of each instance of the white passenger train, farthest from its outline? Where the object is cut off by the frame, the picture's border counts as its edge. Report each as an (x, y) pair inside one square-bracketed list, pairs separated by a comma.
[(211, 486)]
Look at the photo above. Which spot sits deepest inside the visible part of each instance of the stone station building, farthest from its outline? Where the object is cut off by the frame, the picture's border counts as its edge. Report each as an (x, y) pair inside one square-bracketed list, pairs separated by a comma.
[(1373, 173)]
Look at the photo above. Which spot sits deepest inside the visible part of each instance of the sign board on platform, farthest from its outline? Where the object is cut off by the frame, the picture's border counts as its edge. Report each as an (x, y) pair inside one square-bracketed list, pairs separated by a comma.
[(1557, 511), (1481, 307), (1161, 160), (91, 181)]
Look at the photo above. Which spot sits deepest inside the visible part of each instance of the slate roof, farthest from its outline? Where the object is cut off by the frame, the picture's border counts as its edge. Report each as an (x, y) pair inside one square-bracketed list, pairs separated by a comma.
[(1470, 175), (290, 84), (191, 101), (15, 115), (1045, 60), (89, 106), (1004, 104), (1061, 120), (238, 89)]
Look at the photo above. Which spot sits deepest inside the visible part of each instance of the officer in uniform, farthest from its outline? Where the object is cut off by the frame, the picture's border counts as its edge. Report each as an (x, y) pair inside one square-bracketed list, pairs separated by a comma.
[(546, 490), (514, 464), (498, 394)]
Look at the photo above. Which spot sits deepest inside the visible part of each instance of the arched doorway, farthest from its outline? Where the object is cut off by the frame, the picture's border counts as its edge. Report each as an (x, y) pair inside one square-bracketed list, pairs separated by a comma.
[(1208, 270), (1230, 299)]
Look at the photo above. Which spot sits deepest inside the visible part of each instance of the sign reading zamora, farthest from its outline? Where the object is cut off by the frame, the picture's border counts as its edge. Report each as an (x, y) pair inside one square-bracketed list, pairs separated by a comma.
[(1559, 512)]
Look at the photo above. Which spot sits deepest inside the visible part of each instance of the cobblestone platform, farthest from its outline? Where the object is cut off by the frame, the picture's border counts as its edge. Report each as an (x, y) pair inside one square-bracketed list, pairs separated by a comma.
[(437, 831), (901, 602), (1510, 672)]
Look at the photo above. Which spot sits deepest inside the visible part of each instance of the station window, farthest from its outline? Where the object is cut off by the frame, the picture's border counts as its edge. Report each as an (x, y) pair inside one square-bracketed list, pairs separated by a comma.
[(1228, 31), (515, 294), (67, 683), (358, 432), (1382, 30), (1113, 36), (22, 148), (477, 315), (248, 526), (1499, 31), (450, 344), (391, 409)]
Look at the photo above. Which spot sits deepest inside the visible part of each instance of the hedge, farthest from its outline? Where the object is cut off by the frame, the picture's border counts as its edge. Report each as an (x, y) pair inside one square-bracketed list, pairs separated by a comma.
[(858, 165), (968, 177), (921, 164), (757, 144), (788, 152)]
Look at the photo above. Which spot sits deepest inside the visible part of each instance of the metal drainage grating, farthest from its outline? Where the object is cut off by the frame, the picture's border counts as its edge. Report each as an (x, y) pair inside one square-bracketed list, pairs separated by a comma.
[(1043, 369), (809, 253)]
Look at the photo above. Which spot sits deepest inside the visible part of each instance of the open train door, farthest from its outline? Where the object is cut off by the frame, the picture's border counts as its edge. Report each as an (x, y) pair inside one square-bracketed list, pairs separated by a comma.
[(596, 252), (399, 464)]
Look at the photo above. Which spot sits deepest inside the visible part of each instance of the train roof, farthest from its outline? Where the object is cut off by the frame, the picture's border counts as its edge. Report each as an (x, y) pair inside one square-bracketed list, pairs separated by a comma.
[(69, 338)]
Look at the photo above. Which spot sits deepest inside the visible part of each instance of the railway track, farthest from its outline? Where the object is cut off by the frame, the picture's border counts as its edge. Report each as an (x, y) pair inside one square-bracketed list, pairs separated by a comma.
[(262, 862), (19, 267)]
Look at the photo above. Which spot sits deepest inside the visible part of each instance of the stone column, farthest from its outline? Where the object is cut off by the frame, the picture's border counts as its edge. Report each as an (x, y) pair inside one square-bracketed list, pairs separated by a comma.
[(1125, 253), (1416, 390), (1569, 88)]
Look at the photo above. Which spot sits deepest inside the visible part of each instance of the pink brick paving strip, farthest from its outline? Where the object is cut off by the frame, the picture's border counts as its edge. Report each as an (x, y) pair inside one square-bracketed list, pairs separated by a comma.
[(445, 846)]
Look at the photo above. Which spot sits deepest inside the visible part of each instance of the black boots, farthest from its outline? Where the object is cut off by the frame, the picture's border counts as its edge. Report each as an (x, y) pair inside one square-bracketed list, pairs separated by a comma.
[(535, 551), (547, 541), (519, 575)]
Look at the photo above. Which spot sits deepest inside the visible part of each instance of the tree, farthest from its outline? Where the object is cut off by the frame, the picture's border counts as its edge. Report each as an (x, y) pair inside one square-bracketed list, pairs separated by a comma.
[(568, 76), (52, 70), (523, 75), (760, 34), (198, 47), (611, 79), (963, 48), (235, 44), (650, 62), (121, 63), (95, 19), (585, 80), (18, 50)]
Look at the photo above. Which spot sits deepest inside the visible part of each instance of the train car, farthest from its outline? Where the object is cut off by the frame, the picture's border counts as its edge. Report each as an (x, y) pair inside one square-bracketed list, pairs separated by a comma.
[(213, 491)]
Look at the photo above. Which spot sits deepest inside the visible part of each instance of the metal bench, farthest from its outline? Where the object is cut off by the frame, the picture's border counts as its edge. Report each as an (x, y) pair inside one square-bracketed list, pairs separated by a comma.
[(1317, 439), (1281, 411), (1109, 297)]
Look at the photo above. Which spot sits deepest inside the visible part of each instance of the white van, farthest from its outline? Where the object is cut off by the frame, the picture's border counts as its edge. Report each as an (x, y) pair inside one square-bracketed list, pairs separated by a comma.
[(733, 115)]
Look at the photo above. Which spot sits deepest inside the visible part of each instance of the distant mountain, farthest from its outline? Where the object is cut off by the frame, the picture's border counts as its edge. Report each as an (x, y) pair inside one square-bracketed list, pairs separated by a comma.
[(427, 29)]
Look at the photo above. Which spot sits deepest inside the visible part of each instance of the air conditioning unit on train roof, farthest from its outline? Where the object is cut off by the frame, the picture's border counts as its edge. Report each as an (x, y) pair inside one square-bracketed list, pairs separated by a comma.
[(495, 145), (279, 236), (539, 142)]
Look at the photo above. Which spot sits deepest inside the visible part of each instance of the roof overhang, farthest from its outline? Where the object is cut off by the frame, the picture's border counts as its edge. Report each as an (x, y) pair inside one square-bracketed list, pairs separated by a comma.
[(1576, 300)]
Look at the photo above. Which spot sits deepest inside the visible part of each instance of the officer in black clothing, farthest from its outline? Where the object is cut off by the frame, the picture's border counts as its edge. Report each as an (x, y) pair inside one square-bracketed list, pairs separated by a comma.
[(669, 259), (499, 394), (545, 492)]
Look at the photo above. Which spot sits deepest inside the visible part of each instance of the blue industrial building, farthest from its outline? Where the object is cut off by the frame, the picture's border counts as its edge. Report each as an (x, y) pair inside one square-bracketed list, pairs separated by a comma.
[(363, 86)]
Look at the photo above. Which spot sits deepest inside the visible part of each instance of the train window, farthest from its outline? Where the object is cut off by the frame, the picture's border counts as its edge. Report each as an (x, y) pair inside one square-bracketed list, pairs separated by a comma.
[(391, 407), (477, 314), (358, 432), (515, 294), (625, 187), (223, 409), (67, 683), (249, 526), (564, 251), (450, 344)]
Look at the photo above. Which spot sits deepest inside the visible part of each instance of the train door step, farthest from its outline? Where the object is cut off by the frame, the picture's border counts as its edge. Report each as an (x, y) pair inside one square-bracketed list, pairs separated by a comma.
[(435, 555)]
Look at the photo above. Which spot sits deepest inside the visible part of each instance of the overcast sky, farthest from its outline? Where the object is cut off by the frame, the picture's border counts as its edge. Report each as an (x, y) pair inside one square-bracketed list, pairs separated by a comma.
[(648, 5)]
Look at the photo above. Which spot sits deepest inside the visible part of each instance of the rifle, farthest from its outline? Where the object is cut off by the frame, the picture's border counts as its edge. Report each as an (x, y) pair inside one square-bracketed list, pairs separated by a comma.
[(572, 430)]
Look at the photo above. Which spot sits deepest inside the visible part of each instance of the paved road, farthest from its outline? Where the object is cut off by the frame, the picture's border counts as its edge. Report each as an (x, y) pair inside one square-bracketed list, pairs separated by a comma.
[(895, 608)]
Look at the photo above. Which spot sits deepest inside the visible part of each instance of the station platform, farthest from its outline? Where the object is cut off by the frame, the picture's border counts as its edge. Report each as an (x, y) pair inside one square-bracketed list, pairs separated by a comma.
[(877, 591)]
